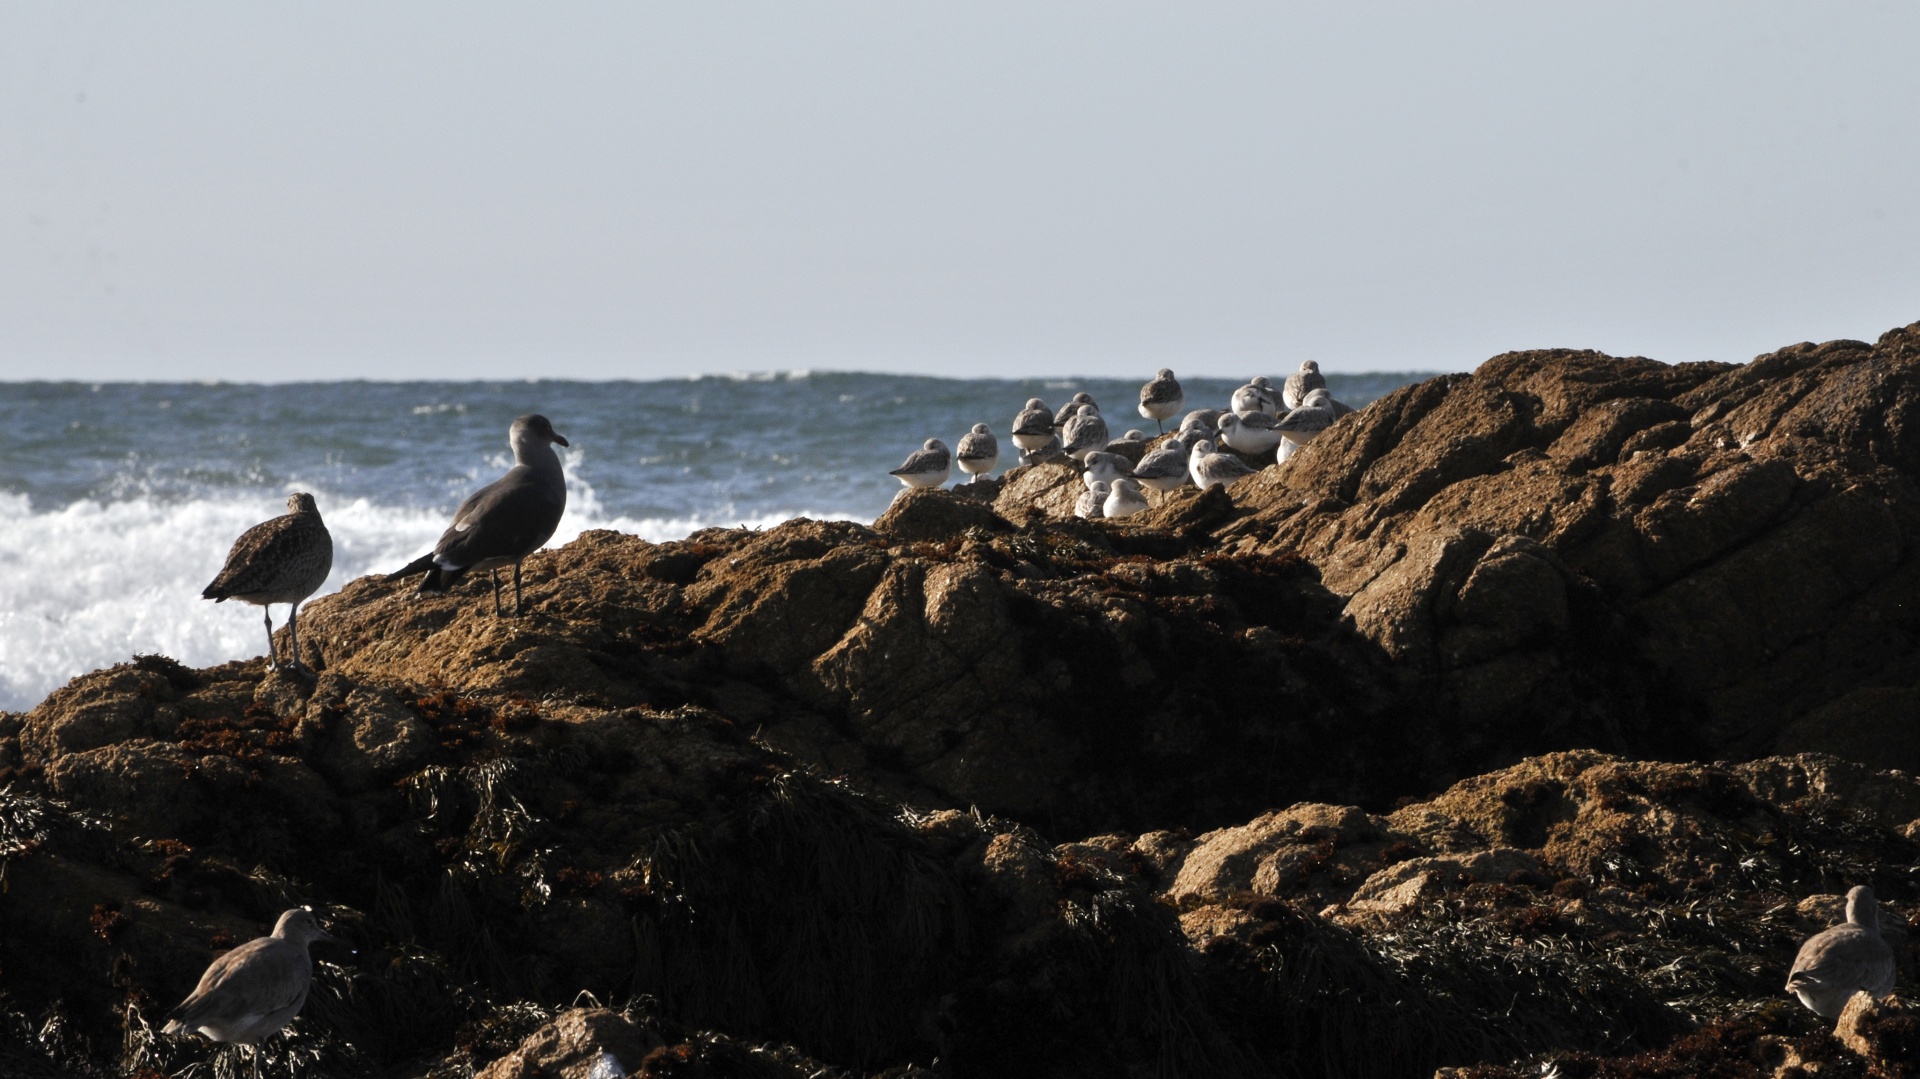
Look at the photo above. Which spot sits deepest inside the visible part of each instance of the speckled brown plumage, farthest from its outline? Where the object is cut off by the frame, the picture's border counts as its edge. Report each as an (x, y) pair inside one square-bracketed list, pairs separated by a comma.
[(284, 560)]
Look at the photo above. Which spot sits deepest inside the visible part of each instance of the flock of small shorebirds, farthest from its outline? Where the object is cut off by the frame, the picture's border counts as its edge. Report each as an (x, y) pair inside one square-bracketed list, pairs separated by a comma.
[(1260, 419), (251, 992)]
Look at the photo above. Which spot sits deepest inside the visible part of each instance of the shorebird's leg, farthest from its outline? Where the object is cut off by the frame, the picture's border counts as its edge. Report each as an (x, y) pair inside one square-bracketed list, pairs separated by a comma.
[(293, 635), (1162, 425), (516, 589), (254, 1052), (266, 613), (495, 574)]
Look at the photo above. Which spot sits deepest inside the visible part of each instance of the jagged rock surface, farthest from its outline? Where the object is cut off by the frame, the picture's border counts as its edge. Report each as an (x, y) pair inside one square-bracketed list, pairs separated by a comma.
[(1033, 795)]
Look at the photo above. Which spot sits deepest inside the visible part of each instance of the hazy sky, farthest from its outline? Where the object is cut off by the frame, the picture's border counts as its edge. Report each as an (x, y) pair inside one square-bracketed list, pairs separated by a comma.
[(268, 191)]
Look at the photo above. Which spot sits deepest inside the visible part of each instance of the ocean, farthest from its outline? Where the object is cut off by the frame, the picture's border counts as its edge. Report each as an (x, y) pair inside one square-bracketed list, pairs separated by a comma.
[(119, 501)]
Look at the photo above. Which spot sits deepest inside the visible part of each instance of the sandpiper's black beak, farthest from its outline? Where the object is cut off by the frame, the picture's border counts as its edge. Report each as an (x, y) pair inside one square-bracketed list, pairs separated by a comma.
[(562, 441)]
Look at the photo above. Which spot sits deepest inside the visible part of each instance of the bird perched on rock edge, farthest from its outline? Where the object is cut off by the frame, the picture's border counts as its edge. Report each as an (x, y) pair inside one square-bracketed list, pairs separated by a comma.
[(505, 521), (1162, 397), (979, 451), (283, 560)]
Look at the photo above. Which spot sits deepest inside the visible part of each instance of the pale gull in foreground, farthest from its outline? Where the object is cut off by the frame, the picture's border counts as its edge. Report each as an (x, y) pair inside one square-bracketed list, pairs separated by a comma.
[(251, 992), (1836, 963)]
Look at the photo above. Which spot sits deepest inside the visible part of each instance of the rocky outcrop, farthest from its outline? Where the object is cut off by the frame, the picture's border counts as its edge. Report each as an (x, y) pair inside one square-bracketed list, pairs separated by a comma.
[(1723, 557), (1415, 721)]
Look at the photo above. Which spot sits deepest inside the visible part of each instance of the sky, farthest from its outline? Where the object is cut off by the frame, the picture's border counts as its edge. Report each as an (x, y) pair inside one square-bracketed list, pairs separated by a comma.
[(256, 191)]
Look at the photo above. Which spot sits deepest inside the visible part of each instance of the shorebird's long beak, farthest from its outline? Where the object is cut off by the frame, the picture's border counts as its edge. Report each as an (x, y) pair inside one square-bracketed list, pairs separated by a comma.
[(562, 441)]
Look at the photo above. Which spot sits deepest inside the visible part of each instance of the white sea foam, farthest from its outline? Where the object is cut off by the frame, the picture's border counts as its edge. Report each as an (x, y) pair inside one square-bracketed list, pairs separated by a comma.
[(95, 583)]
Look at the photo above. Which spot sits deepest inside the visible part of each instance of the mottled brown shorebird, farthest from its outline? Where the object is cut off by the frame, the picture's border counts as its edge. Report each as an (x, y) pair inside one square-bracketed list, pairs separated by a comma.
[(1836, 963), (284, 560), (248, 994), (503, 522)]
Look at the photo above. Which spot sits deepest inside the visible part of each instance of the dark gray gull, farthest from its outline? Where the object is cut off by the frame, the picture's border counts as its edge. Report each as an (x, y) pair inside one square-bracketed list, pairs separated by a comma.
[(1125, 499), (1164, 468), (1836, 963), (979, 452), (1302, 382), (248, 994), (1072, 409), (502, 523), (284, 560), (1213, 469), (1033, 427), (928, 466), (1085, 433), (1162, 397)]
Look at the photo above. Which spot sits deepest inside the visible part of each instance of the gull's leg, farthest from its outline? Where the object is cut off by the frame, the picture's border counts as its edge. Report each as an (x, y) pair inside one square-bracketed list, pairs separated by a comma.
[(495, 574), (266, 613), (516, 589)]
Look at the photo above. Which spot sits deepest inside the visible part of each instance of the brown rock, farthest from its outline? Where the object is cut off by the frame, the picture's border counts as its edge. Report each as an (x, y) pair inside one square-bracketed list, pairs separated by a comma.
[(573, 1045)]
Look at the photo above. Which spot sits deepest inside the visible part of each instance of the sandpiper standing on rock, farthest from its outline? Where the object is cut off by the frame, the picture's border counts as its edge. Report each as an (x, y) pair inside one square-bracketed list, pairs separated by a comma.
[(505, 521), (1103, 466), (1213, 469), (1072, 409), (1033, 427), (1162, 397), (979, 451), (1085, 433), (248, 994), (1125, 499), (1301, 383), (1251, 433), (1304, 424), (1256, 396), (284, 560), (1092, 502), (1836, 963), (928, 466), (1165, 467)]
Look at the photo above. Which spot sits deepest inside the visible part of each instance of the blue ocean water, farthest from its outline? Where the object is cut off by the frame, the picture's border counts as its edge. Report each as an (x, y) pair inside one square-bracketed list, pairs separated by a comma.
[(118, 501)]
